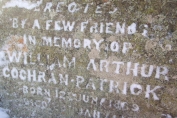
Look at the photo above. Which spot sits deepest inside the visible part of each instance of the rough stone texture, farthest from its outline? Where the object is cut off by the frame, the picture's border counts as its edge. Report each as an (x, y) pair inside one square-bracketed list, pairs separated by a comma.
[(157, 48)]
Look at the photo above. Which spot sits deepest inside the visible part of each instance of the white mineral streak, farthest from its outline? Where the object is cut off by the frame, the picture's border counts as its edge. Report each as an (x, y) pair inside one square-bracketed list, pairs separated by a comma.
[(3, 113), (22, 4), (167, 115)]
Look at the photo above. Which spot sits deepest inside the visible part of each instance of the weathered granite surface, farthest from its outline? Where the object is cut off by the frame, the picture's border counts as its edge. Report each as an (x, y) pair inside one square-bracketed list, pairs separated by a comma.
[(88, 58)]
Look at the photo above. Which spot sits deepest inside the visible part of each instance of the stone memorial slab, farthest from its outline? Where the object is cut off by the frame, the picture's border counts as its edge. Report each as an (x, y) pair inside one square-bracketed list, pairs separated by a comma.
[(88, 59)]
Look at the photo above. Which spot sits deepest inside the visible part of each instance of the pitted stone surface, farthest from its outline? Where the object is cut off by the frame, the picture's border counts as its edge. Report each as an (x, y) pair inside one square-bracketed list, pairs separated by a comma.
[(82, 58)]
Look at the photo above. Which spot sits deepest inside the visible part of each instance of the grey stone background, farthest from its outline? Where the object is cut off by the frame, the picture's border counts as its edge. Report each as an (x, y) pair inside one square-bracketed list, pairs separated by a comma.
[(157, 48)]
